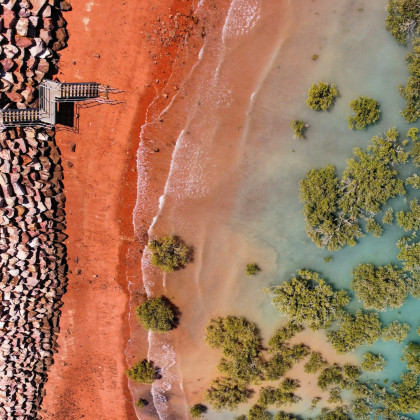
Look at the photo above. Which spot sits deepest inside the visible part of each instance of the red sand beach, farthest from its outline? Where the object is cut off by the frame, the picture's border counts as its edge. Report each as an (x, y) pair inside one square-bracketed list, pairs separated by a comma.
[(121, 45)]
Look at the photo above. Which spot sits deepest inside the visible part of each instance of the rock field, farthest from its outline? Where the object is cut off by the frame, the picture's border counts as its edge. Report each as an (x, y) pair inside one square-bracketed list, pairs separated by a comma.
[(32, 217)]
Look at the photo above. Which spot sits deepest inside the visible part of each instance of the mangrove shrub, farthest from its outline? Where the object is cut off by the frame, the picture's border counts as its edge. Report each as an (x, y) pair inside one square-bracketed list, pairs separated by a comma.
[(403, 19), (373, 227), (409, 220), (284, 416), (141, 403), (405, 399), (381, 287), (339, 413), (284, 334), (411, 355), (411, 90), (365, 112), (157, 314), (235, 336), (331, 375), (368, 182), (373, 362), (244, 368), (413, 133), (197, 410), (351, 372), (335, 396), (257, 412), (283, 360), (355, 330), (240, 341), (321, 96), (315, 363), (413, 181), (325, 225), (410, 255), (307, 299), (333, 208), (226, 394), (252, 269), (396, 331), (283, 395), (169, 253), (144, 372), (298, 128), (388, 218)]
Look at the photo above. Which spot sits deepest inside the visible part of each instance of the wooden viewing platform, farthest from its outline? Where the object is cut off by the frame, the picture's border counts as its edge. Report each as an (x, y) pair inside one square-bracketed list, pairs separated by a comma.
[(51, 93)]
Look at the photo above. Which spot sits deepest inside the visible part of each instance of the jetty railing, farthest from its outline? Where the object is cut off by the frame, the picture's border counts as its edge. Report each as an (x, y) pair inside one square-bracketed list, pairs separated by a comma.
[(52, 93)]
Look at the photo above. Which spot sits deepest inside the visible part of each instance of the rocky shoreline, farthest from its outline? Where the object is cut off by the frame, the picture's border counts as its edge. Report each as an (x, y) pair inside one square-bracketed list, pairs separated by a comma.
[(31, 33), (33, 265), (32, 218)]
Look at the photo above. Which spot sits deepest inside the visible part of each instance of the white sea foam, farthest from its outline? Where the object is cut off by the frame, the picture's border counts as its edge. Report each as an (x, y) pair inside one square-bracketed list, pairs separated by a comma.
[(89, 5), (242, 17), (224, 100), (164, 356), (142, 180), (187, 170), (200, 54)]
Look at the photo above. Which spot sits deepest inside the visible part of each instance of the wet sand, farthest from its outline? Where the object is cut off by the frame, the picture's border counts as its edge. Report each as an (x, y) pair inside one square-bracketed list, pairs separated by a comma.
[(198, 201), (109, 44), (212, 117)]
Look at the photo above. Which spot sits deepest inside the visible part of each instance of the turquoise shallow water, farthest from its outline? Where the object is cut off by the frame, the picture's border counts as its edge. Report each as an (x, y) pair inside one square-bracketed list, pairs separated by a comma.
[(233, 187), (362, 59)]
